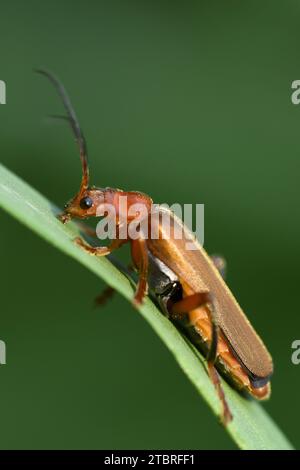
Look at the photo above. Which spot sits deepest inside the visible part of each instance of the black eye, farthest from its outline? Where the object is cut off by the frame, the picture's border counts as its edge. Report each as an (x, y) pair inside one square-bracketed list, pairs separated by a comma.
[(86, 202)]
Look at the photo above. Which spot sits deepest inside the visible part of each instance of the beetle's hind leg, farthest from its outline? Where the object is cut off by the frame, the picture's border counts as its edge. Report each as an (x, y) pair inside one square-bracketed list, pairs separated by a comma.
[(192, 302), (215, 378), (212, 371)]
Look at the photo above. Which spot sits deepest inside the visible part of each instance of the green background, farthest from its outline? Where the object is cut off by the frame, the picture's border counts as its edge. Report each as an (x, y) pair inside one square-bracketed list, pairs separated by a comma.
[(188, 102)]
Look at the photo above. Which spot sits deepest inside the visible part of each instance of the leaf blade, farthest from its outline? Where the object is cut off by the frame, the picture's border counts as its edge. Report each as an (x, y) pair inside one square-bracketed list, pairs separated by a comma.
[(251, 428)]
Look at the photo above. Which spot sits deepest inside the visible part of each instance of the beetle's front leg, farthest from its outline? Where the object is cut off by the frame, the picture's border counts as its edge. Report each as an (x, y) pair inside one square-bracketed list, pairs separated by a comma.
[(99, 250)]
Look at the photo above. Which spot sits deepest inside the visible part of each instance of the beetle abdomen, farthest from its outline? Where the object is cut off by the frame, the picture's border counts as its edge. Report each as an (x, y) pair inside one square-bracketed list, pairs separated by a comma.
[(198, 327), (196, 273)]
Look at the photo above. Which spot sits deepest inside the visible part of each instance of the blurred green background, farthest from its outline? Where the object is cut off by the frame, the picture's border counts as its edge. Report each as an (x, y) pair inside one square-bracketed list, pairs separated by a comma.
[(188, 102)]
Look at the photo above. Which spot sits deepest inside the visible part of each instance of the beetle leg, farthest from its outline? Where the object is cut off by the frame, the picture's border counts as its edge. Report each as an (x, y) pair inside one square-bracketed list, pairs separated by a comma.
[(192, 302), (220, 264), (211, 358), (99, 250), (215, 378), (108, 292), (101, 299), (140, 247)]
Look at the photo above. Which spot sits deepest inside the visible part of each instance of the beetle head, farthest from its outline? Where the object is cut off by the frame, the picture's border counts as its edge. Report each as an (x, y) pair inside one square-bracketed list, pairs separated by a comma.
[(84, 204)]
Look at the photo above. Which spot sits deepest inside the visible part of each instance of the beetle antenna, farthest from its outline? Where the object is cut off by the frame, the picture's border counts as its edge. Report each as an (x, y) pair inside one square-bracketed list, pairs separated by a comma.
[(74, 123)]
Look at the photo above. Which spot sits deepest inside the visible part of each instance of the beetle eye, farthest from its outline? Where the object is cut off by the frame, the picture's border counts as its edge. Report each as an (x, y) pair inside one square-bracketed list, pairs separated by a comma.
[(86, 202)]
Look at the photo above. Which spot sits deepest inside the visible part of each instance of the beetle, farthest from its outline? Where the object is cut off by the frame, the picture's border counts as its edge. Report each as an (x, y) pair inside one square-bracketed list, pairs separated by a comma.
[(188, 285)]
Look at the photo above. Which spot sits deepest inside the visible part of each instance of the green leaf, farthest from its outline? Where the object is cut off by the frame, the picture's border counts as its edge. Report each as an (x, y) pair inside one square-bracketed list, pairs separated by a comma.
[(251, 427)]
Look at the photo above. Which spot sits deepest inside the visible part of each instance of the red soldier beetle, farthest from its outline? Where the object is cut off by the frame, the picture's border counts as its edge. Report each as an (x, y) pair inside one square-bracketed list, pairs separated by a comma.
[(187, 285)]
